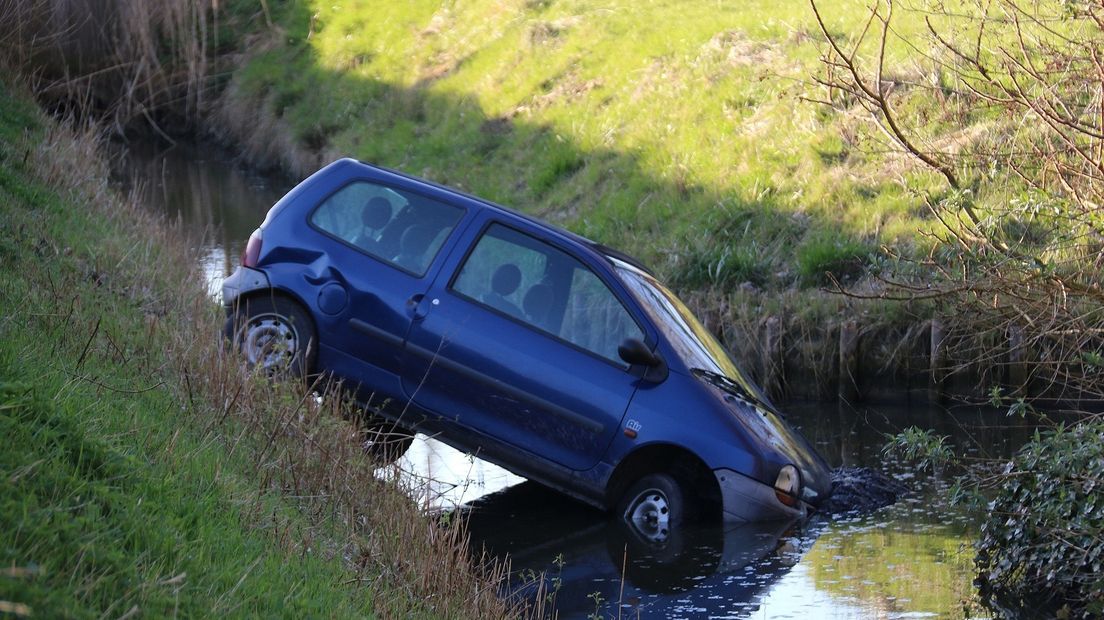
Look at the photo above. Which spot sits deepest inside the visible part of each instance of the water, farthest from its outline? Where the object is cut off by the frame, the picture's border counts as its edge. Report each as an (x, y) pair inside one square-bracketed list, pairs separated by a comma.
[(215, 197), (910, 560)]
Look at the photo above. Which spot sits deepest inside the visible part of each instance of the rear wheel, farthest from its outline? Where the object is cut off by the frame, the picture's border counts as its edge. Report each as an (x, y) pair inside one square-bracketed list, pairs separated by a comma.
[(654, 505), (275, 334)]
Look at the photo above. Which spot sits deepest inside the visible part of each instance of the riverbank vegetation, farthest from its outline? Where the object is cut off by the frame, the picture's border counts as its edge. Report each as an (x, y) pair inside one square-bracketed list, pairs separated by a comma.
[(1025, 267), (729, 145), (673, 130), (684, 133), (145, 473), (119, 62)]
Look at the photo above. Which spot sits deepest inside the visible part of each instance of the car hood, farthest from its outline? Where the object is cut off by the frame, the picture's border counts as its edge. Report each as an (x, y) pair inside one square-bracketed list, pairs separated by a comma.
[(769, 429)]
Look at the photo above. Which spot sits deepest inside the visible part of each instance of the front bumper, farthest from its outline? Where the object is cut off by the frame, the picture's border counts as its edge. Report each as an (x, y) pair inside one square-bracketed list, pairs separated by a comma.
[(744, 499)]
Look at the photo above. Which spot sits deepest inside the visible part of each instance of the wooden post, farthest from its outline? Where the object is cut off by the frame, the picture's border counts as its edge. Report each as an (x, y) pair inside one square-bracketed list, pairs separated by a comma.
[(1017, 367), (938, 362), (772, 356), (849, 362)]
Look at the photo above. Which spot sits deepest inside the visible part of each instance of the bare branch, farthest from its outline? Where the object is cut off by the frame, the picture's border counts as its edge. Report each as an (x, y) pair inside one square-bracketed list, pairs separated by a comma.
[(876, 96)]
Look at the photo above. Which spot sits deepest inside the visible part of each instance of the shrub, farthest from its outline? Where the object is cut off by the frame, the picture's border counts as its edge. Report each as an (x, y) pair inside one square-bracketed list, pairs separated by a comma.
[(1044, 536), (824, 258), (721, 266)]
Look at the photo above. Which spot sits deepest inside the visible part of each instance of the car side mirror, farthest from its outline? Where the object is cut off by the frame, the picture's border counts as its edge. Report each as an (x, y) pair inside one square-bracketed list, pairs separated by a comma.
[(634, 352)]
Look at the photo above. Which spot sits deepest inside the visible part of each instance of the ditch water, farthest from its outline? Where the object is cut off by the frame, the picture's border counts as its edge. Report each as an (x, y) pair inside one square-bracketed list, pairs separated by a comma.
[(909, 560)]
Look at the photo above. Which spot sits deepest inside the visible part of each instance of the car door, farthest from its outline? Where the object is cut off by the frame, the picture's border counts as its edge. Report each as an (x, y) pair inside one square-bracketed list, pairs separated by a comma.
[(519, 344), (385, 246)]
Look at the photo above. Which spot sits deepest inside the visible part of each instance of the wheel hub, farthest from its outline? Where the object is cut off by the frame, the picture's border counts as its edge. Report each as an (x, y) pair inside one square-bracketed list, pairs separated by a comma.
[(269, 342), (650, 515)]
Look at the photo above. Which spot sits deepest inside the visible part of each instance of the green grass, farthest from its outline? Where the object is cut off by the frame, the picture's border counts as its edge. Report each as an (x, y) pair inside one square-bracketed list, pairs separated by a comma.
[(822, 260), (143, 472), (112, 501), (93, 528), (643, 125)]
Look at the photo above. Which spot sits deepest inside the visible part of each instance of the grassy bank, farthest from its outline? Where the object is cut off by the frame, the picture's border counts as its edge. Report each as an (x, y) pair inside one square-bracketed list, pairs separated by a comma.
[(674, 130), (681, 132), (144, 473)]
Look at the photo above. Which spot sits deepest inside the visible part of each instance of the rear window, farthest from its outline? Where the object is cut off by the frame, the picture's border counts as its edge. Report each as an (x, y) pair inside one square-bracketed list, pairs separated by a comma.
[(403, 229)]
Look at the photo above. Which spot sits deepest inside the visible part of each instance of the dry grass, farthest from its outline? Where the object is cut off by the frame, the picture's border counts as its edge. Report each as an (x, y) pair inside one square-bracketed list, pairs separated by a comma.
[(304, 446), (132, 61), (263, 137), (299, 447)]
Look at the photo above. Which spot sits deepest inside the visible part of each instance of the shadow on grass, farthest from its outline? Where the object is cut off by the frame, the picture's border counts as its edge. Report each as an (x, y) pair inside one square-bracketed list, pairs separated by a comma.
[(288, 110)]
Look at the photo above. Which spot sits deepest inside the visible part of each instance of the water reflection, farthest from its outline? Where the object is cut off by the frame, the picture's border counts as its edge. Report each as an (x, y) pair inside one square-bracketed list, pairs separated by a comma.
[(849, 436), (441, 478), (912, 559), (596, 565), (902, 562), (202, 187), (893, 568)]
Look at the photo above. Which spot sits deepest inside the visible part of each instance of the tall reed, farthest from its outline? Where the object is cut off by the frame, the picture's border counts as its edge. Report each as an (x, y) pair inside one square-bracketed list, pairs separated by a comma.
[(122, 60)]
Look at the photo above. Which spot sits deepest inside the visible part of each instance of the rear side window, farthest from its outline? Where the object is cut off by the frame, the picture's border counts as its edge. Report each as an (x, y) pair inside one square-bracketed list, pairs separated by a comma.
[(400, 228), (545, 288)]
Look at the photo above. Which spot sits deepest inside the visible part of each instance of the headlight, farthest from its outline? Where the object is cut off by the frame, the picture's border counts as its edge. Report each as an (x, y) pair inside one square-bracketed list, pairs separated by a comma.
[(787, 487)]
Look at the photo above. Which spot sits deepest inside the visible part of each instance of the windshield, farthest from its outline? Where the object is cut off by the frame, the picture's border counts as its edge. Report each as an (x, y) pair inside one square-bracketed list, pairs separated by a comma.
[(697, 348)]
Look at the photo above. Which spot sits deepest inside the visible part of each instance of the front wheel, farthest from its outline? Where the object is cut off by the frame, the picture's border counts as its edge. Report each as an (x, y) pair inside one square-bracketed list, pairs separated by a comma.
[(275, 334), (654, 505)]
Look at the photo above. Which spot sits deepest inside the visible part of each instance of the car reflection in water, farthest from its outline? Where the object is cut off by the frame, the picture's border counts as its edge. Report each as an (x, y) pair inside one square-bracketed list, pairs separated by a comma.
[(705, 570)]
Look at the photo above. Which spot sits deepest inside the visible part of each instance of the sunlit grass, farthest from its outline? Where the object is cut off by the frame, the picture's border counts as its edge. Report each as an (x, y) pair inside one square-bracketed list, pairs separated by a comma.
[(630, 122)]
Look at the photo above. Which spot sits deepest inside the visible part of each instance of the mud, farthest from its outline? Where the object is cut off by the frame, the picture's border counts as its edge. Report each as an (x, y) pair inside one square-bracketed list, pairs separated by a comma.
[(861, 490)]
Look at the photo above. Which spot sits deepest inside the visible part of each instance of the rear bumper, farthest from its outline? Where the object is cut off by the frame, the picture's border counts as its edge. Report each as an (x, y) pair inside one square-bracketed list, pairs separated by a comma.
[(744, 500), (243, 280)]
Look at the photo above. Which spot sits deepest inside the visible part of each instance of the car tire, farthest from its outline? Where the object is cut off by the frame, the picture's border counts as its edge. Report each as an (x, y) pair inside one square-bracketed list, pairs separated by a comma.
[(673, 566), (275, 334), (654, 505), (385, 442)]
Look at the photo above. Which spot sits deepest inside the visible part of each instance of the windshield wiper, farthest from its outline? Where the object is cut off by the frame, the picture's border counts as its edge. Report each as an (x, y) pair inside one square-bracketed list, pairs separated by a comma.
[(725, 383)]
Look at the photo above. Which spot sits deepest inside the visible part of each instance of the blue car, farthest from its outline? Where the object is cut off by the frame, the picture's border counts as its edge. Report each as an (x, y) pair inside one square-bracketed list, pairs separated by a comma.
[(555, 357)]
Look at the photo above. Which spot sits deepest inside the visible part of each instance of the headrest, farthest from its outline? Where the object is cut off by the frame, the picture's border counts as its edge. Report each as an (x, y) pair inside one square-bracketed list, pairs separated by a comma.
[(506, 279), (416, 239), (376, 213), (537, 300)]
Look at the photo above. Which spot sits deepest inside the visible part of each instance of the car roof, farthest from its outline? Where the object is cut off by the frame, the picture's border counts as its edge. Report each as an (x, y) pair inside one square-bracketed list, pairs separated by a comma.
[(604, 251)]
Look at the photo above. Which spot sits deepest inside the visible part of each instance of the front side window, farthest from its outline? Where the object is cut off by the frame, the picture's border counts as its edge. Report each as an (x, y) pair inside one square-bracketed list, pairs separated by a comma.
[(699, 350), (398, 227), (545, 288)]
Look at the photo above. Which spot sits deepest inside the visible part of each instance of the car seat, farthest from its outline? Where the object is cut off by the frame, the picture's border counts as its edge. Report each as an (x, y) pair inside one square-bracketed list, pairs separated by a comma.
[(505, 281), (415, 241), (374, 216), (538, 305)]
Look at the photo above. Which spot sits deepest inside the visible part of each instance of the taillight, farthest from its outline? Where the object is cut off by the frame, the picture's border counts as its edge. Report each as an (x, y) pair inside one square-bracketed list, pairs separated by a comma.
[(788, 486), (252, 250)]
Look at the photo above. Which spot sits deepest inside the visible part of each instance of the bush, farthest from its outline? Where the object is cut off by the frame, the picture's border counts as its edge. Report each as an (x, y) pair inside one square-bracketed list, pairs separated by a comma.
[(721, 266), (1044, 537), (824, 258)]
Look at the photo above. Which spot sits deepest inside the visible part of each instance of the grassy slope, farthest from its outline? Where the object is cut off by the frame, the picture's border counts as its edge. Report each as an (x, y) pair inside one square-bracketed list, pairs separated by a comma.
[(671, 129), (141, 470), (110, 501)]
